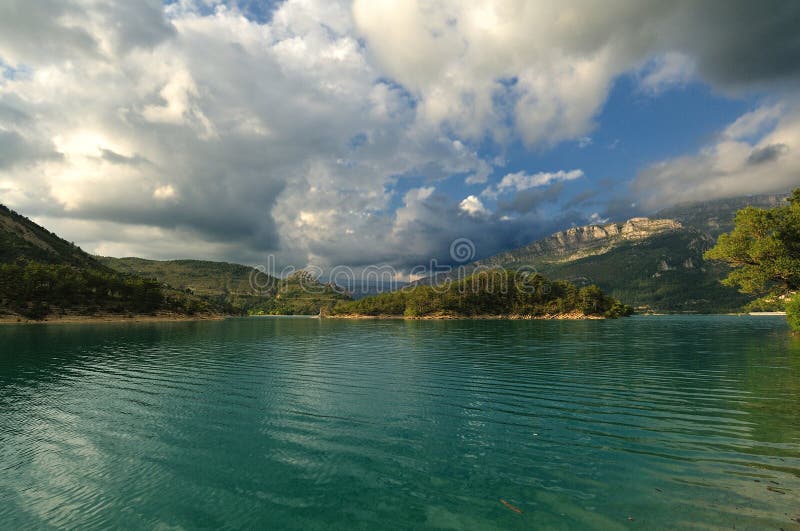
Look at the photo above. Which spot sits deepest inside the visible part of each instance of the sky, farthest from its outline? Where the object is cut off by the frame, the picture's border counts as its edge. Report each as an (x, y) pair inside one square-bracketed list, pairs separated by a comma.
[(326, 132)]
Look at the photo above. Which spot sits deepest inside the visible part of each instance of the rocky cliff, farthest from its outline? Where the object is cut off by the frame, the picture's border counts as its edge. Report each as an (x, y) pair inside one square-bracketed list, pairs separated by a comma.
[(579, 242)]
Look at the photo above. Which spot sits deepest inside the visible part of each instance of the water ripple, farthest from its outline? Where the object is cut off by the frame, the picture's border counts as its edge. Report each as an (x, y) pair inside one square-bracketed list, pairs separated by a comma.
[(306, 424)]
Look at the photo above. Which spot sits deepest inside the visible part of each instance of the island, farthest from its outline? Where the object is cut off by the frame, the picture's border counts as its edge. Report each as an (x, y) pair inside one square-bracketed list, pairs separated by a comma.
[(494, 293)]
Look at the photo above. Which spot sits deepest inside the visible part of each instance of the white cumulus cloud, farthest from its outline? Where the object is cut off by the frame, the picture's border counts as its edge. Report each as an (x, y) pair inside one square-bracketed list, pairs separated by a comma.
[(521, 180), (473, 206)]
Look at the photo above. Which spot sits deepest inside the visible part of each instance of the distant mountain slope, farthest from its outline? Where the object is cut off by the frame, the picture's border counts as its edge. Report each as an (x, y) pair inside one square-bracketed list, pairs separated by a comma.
[(651, 264), (579, 242), (665, 272), (43, 275), (238, 285), (22, 239), (716, 217), (200, 276)]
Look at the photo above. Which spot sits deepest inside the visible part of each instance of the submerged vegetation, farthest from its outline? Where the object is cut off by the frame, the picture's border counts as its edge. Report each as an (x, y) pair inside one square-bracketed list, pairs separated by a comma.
[(496, 292)]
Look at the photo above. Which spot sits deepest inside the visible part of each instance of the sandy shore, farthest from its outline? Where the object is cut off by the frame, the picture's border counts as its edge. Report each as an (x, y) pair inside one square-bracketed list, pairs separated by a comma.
[(443, 317), (109, 318)]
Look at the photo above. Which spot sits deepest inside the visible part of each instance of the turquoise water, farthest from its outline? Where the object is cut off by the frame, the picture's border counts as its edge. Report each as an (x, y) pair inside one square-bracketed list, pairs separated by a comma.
[(647, 422)]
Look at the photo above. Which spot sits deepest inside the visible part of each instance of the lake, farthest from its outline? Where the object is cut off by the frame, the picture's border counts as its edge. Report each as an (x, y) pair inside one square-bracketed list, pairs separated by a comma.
[(294, 423)]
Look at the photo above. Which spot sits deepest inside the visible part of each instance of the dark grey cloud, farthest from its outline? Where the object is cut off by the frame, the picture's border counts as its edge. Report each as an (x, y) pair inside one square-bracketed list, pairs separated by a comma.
[(10, 111), (34, 31), (767, 153), (44, 31), (581, 198), (15, 149), (139, 24), (227, 195), (116, 158), (740, 42), (12, 147), (530, 200), (623, 208)]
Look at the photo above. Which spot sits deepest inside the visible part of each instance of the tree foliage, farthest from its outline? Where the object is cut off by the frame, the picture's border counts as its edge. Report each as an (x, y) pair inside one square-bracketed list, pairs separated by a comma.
[(497, 292), (793, 313), (763, 249), (241, 288), (35, 290), (298, 294), (42, 274)]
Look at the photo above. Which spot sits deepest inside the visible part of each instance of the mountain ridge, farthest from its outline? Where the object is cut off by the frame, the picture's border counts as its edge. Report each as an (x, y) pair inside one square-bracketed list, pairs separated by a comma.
[(239, 285), (44, 276), (21, 238), (652, 263), (568, 244)]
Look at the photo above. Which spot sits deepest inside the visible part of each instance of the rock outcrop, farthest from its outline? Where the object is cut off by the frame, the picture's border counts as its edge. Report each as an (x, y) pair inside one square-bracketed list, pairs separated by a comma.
[(590, 240)]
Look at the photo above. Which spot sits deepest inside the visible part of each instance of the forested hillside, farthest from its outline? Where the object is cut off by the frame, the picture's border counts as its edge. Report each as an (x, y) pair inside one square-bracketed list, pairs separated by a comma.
[(493, 293), (43, 275), (236, 285)]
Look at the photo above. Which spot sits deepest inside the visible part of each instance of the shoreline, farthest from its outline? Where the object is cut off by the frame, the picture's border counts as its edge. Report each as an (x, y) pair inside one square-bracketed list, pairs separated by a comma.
[(108, 318), (176, 318), (571, 316)]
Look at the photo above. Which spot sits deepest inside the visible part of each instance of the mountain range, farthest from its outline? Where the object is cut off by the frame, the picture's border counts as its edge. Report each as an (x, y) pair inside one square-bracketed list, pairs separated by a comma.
[(45, 276), (240, 286), (654, 264)]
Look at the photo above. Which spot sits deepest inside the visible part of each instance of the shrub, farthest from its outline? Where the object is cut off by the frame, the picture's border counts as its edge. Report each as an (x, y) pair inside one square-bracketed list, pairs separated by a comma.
[(793, 313), (618, 310), (38, 310)]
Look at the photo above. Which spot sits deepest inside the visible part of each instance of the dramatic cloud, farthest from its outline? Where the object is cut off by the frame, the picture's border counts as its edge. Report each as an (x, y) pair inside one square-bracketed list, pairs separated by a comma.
[(546, 68), (531, 200), (326, 131), (758, 153), (767, 153)]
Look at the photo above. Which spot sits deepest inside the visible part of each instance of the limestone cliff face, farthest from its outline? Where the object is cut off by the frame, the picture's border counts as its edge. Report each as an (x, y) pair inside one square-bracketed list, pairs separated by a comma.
[(633, 229), (578, 242)]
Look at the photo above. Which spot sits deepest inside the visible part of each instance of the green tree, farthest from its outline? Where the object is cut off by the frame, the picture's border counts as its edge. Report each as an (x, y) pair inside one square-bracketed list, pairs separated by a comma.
[(493, 292), (793, 313), (764, 251)]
